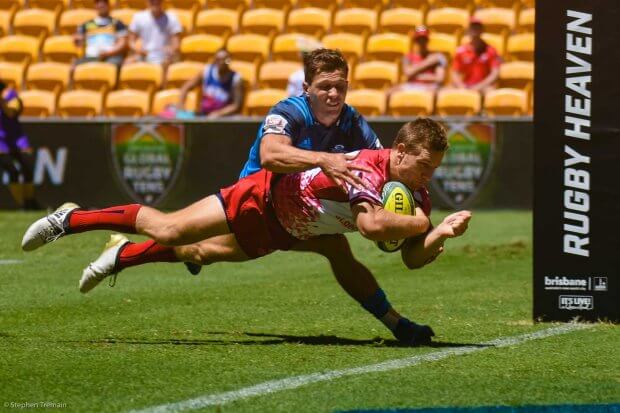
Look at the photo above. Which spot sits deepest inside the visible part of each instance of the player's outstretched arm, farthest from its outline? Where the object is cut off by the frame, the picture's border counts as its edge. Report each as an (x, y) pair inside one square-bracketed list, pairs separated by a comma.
[(422, 250), (377, 224)]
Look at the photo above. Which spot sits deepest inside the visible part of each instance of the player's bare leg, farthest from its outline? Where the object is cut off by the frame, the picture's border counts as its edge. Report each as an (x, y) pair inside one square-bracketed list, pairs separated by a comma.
[(222, 248)]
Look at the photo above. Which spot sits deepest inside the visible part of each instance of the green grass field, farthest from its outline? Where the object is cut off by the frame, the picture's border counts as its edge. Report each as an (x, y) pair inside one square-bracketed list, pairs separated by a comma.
[(161, 335)]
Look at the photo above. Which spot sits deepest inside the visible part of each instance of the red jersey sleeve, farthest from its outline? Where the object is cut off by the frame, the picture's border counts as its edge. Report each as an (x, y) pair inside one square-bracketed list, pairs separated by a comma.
[(377, 162)]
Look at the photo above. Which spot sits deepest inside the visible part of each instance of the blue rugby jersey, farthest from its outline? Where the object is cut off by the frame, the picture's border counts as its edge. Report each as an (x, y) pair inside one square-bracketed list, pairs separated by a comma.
[(292, 117)]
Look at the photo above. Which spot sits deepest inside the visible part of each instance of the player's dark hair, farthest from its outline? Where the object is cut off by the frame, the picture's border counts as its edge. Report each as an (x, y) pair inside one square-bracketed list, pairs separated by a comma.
[(324, 60), (422, 133)]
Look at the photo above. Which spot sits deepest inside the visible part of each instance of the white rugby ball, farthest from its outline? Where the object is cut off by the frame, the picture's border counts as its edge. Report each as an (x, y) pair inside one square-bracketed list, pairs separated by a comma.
[(396, 198)]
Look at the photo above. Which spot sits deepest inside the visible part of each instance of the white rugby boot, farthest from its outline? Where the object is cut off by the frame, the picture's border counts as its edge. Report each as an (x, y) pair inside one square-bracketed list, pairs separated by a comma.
[(47, 229), (105, 265)]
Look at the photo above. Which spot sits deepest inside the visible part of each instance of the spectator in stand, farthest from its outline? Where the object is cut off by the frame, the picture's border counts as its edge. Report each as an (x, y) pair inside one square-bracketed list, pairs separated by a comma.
[(221, 88), (424, 69), (295, 85), (476, 64), (158, 33), (104, 38)]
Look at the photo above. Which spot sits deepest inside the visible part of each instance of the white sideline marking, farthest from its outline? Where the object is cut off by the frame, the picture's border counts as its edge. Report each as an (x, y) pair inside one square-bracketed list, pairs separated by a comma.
[(9, 262), (298, 381)]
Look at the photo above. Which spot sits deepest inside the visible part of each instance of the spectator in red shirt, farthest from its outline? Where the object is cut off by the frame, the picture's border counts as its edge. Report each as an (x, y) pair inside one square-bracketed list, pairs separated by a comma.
[(424, 69), (476, 64)]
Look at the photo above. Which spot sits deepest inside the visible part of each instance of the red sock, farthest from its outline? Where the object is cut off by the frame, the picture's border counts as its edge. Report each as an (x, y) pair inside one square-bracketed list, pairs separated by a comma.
[(120, 218), (140, 253)]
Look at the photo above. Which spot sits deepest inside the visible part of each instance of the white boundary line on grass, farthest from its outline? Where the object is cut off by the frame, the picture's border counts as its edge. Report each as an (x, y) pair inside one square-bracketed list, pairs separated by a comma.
[(10, 262), (299, 381)]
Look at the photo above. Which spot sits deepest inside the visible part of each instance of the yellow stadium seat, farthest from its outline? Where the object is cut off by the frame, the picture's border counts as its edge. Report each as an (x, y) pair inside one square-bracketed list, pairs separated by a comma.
[(400, 20), (390, 47), (496, 20), (289, 46), (127, 102), (239, 5), (506, 102), (167, 97), (527, 20), (376, 5), (268, 22), (356, 20), (497, 41), (249, 47), (421, 5), (12, 74), (350, 45), (521, 47), (200, 47), (11, 5), (469, 5), (97, 76), (375, 75), (506, 4), (60, 49), (258, 102), (219, 22), (186, 18), (275, 74), (461, 102), (412, 102), (38, 103), (71, 19), (6, 20), (247, 71), (330, 5), (34, 22), (310, 20), (528, 4), (125, 15), (180, 72), (519, 75), (131, 4), (50, 76), (284, 5), (19, 49), (56, 6), (368, 102), (80, 103), (141, 76), (443, 43), (190, 5), (82, 4), (448, 20)]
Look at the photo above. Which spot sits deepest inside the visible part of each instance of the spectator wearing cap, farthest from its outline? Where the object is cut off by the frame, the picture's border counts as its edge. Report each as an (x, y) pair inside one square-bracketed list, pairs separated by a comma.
[(158, 33), (476, 64), (104, 38), (423, 69)]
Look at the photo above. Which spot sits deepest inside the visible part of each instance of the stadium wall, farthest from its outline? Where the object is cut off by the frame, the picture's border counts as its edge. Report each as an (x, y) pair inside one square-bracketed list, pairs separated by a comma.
[(97, 163)]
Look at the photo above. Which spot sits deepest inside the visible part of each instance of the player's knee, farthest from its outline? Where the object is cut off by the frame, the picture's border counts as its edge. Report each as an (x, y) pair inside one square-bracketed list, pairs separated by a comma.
[(168, 233)]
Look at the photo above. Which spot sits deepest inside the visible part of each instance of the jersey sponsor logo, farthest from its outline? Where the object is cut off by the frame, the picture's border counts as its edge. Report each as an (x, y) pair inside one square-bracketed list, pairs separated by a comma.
[(576, 302), (147, 158), (274, 124), (467, 165)]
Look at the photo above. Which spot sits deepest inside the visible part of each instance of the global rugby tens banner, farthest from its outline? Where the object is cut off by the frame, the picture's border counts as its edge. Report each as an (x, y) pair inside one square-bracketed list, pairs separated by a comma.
[(577, 161)]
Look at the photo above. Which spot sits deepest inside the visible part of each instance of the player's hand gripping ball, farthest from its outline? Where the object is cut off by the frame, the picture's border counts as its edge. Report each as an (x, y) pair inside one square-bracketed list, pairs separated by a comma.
[(399, 199)]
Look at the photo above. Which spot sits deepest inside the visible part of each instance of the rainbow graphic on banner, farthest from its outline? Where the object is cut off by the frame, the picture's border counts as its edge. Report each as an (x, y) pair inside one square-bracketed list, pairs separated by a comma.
[(147, 158)]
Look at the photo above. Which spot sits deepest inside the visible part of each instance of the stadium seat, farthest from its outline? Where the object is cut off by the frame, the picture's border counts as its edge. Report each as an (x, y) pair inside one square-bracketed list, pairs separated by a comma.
[(200, 47), (125, 15), (330, 5), (180, 72), (284, 5), (496, 20), (310, 20), (61, 49), (12, 74), (186, 18), (71, 19), (357, 21), (258, 102), (6, 20), (350, 45), (267, 22), (400, 20), (50, 76), (97, 76), (141, 76), (519, 75), (55, 6), (167, 97), (249, 47), (413, 102), (448, 20), (19, 49), (130, 4), (82, 4), (238, 5), (375, 75), (468, 5), (368, 102), (527, 20), (38, 103), (34, 22), (275, 74), (127, 102), (458, 102), (376, 5), (247, 71), (495, 40), (520, 47), (506, 102), (421, 5), (289, 46), (506, 4), (390, 47), (12, 5), (443, 43), (80, 103), (219, 22), (190, 5)]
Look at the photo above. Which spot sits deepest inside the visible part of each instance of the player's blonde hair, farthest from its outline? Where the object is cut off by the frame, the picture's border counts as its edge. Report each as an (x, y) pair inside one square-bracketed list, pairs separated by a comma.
[(422, 133)]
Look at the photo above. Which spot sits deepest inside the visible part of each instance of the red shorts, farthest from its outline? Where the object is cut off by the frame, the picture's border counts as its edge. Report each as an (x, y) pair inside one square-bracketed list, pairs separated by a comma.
[(251, 216)]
